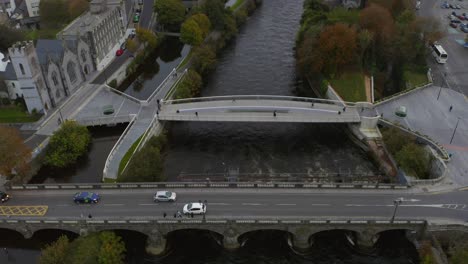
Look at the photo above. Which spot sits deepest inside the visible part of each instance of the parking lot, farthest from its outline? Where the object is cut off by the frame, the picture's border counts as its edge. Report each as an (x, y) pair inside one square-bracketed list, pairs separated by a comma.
[(454, 73)]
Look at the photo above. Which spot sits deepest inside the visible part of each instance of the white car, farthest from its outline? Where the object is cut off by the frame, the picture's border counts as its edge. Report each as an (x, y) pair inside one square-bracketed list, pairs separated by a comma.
[(195, 208), (164, 196)]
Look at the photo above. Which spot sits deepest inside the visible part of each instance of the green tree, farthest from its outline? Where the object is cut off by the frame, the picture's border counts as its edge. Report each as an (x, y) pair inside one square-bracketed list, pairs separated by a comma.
[(147, 164), (56, 252), (171, 13), (204, 59), (112, 249), (9, 37), (230, 27), (76, 8), (414, 160), (190, 86), (395, 139), (214, 9), (459, 254), (147, 37), (14, 154), (67, 144), (131, 45), (190, 33), (203, 22)]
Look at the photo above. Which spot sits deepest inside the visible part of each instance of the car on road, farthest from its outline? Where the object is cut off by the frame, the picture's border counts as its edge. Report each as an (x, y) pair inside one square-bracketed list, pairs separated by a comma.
[(136, 18), (401, 111), (4, 196), (164, 196), (86, 197), (195, 208), (119, 52), (140, 2)]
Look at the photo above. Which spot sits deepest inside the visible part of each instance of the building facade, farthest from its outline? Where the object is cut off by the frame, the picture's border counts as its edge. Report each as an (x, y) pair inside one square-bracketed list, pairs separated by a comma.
[(102, 27)]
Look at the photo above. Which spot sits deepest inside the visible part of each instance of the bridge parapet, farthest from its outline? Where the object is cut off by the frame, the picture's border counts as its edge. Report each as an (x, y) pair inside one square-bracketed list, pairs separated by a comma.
[(214, 185)]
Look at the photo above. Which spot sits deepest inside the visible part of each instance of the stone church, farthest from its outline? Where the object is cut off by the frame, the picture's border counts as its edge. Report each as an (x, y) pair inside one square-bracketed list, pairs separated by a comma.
[(51, 70)]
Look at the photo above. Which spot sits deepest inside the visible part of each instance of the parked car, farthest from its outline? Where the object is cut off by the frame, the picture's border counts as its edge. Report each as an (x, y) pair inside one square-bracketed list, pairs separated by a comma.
[(452, 17), (4, 196), (119, 52), (140, 2), (132, 35), (457, 7), (461, 17), (454, 25), (456, 21), (444, 6), (136, 18), (86, 197), (195, 208), (451, 6), (464, 27), (164, 196)]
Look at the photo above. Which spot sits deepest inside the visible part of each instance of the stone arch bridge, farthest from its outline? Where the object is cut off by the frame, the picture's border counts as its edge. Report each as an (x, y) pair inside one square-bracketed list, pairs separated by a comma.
[(362, 233)]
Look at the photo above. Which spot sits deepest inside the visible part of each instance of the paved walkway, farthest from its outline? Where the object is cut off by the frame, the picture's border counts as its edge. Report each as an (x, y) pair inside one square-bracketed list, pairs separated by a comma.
[(434, 118), (235, 110)]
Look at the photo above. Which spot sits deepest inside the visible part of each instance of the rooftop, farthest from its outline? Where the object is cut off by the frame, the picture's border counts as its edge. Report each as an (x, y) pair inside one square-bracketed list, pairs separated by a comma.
[(85, 23), (49, 48)]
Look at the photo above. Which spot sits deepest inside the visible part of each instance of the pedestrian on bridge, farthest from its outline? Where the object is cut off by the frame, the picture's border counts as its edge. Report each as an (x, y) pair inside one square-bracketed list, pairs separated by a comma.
[(274, 113), (164, 214), (90, 216), (196, 113), (450, 109), (191, 215)]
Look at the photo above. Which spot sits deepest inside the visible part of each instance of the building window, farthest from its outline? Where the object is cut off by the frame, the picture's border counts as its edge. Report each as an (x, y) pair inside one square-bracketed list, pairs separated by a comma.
[(54, 79), (22, 69), (71, 71), (83, 55)]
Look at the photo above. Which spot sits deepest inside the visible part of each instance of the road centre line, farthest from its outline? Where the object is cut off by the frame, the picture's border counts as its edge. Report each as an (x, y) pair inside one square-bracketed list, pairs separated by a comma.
[(255, 204)]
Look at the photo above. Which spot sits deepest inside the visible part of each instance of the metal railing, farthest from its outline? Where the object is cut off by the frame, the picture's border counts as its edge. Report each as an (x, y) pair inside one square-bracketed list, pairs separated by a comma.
[(158, 185), (162, 84), (258, 97), (258, 118)]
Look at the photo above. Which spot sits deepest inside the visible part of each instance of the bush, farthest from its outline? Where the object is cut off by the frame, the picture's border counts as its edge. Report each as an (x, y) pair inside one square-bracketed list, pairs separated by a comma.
[(113, 83), (204, 59)]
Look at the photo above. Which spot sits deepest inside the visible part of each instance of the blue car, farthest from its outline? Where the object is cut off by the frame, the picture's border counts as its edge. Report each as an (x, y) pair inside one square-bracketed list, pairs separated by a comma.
[(86, 197)]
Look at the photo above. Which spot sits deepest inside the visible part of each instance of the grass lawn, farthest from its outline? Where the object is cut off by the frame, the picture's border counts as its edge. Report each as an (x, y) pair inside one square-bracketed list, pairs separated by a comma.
[(350, 86), (236, 5), (14, 114), (127, 155), (415, 79)]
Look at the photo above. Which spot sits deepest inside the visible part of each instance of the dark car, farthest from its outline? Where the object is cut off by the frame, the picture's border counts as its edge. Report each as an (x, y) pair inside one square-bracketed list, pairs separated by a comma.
[(86, 197), (4, 197), (461, 17), (455, 21), (464, 28), (454, 25)]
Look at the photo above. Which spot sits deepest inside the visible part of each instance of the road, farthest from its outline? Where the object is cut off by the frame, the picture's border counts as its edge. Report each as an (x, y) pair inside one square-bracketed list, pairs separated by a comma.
[(145, 20), (456, 68), (248, 203)]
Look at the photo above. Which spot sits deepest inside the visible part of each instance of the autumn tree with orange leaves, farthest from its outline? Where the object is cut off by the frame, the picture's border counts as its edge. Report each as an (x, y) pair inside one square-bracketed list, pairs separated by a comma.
[(14, 154), (336, 48)]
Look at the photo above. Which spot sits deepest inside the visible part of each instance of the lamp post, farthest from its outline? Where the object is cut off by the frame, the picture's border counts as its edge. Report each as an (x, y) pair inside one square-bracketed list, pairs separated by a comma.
[(396, 202), (455, 130)]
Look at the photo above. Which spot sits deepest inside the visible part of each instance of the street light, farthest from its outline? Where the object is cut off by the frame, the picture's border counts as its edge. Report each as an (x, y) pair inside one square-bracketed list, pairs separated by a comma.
[(455, 130), (396, 202)]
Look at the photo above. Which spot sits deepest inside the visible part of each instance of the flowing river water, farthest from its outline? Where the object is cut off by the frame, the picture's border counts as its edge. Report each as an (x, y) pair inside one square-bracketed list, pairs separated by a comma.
[(260, 61)]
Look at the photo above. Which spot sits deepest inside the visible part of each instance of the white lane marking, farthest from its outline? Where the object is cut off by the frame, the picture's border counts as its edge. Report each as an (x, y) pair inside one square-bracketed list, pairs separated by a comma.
[(408, 200), (113, 204), (251, 204), (285, 204)]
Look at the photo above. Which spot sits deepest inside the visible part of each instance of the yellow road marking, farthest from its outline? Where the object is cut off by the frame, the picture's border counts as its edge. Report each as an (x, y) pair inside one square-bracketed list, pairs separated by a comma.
[(35, 210)]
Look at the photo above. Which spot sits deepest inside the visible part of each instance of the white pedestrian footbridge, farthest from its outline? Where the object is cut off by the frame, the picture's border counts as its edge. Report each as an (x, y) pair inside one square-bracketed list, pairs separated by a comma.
[(259, 108)]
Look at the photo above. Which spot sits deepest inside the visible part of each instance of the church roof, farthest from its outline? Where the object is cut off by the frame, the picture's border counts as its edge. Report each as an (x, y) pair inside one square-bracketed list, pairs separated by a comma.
[(9, 74), (49, 48)]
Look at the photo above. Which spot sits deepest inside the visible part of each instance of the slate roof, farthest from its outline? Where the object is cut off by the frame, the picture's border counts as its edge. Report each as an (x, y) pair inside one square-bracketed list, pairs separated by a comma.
[(49, 48), (9, 73)]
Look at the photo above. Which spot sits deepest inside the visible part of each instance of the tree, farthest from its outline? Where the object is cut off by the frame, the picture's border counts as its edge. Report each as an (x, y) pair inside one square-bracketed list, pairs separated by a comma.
[(214, 9), (9, 37), (190, 33), (377, 20), (230, 27), (67, 144), (190, 86), (395, 140), (54, 13), (431, 29), (76, 8), (147, 164), (204, 59), (459, 254), (56, 252), (131, 45), (203, 22), (170, 13), (336, 48), (14, 154), (112, 248), (365, 39), (147, 37)]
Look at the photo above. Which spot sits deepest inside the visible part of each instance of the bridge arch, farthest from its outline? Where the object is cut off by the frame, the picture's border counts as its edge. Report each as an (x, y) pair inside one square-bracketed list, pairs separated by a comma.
[(12, 233), (55, 232)]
